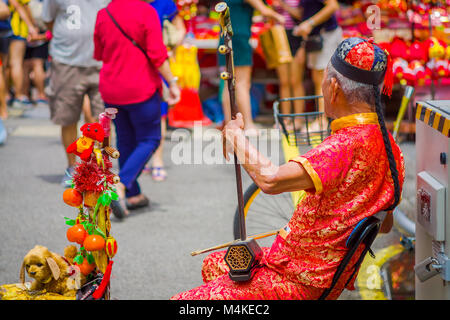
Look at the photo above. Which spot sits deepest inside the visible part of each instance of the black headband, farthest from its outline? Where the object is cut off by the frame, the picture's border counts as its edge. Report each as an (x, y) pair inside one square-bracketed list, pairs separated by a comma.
[(356, 74)]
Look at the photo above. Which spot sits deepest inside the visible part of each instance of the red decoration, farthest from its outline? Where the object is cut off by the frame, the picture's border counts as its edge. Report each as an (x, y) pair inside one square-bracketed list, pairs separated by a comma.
[(385, 46), (111, 247), (102, 287), (399, 49), (418, 52), (188, 111), (389, 76), (418, 70), (409, 77), (84, 145), (398, 67), (89, 176)]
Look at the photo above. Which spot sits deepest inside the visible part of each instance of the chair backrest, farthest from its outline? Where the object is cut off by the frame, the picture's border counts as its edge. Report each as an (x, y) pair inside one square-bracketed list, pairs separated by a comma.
[(365, 232)]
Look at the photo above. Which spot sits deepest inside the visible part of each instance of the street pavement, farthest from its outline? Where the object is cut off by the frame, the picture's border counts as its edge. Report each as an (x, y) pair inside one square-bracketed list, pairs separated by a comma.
[(193, 209)]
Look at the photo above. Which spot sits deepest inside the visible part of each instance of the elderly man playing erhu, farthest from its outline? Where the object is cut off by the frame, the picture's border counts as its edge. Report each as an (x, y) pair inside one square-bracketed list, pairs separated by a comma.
[(355, 173)]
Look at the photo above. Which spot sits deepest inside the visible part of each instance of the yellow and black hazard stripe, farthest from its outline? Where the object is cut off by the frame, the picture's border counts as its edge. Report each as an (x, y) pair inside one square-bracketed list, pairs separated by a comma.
[(433, 119)]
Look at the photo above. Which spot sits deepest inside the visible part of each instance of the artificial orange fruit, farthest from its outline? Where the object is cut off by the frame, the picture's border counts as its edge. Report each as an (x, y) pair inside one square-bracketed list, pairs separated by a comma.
[(73, 197), (94, 242), (76, 233), (85, 267)]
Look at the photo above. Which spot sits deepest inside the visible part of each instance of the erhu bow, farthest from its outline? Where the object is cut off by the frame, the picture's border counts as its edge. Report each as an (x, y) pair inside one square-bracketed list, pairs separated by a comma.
[(245, 254)]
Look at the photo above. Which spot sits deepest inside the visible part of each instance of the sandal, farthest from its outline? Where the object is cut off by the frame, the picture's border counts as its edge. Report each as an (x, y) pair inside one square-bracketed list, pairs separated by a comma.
[(118, 208), (140, 204), (146, 170), (158, 173)]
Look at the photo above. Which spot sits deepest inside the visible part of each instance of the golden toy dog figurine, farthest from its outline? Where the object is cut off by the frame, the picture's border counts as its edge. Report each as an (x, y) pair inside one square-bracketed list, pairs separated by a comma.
[(51, 271)]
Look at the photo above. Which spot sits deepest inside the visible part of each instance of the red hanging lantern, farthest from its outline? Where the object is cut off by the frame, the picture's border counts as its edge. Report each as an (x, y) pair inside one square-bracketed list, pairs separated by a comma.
[(111, 247)]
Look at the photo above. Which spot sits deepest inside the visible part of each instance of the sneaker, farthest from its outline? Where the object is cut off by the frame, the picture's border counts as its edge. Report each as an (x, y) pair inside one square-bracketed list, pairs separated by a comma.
[(3, 133), (21, 104), (67, 177), (26, 103), (40, 103)]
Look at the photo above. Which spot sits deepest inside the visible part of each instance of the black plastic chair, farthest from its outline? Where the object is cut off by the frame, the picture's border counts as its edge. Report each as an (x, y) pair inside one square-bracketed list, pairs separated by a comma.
[(365, 233)]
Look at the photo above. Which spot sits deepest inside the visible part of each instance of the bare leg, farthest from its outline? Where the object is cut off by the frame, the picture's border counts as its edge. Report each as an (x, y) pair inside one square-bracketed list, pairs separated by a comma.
[(69, 135), (296, 77), (317, 77), (157, 159), (87, 112), (3, 108), (243, 84), (16, 55), (242, 93), (226, 103), (27, 67), (283, 72), (5, 73), (39, 77)]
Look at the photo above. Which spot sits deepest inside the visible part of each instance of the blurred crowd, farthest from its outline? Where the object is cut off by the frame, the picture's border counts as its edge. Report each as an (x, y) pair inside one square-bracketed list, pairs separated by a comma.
[(79, 57), (24, 52)]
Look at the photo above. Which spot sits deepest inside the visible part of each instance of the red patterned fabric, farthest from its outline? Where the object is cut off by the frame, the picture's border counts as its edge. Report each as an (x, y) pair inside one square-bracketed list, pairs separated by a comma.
[(352, 181), (266, 284), (353, 171), (361, 56)]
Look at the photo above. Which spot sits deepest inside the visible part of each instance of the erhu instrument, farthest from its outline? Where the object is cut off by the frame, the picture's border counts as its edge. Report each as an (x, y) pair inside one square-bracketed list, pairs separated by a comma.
[(243, 255)]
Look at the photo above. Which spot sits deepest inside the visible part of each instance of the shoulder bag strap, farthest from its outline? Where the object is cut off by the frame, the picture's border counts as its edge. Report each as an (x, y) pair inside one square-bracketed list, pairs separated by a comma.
[(126, 35)]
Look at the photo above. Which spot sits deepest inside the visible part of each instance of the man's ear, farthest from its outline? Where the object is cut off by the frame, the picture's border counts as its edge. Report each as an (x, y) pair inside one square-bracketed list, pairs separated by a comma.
[(335, 89)]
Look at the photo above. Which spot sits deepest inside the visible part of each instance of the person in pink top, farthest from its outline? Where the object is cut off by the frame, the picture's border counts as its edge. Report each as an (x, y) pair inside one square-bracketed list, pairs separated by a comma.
[(128, 39)]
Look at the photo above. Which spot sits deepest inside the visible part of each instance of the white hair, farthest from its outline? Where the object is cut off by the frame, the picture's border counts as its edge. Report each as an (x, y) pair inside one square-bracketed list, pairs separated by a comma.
[(354, 91)]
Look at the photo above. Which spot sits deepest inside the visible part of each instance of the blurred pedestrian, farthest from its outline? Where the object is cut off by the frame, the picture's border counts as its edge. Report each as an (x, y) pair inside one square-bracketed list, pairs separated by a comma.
[(74, 71), (128, 39), (5, 32), (241, 13), (166, 10), (35, 55), (22, 25), (290, 75), (319, 25)]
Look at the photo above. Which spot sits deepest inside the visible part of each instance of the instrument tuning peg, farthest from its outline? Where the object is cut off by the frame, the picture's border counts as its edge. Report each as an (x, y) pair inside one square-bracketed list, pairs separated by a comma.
[(225, 75), (223, 49), (221, 7)]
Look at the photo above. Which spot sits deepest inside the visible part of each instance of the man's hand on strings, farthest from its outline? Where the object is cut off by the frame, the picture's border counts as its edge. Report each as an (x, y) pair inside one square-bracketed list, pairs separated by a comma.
[(230, 132)]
